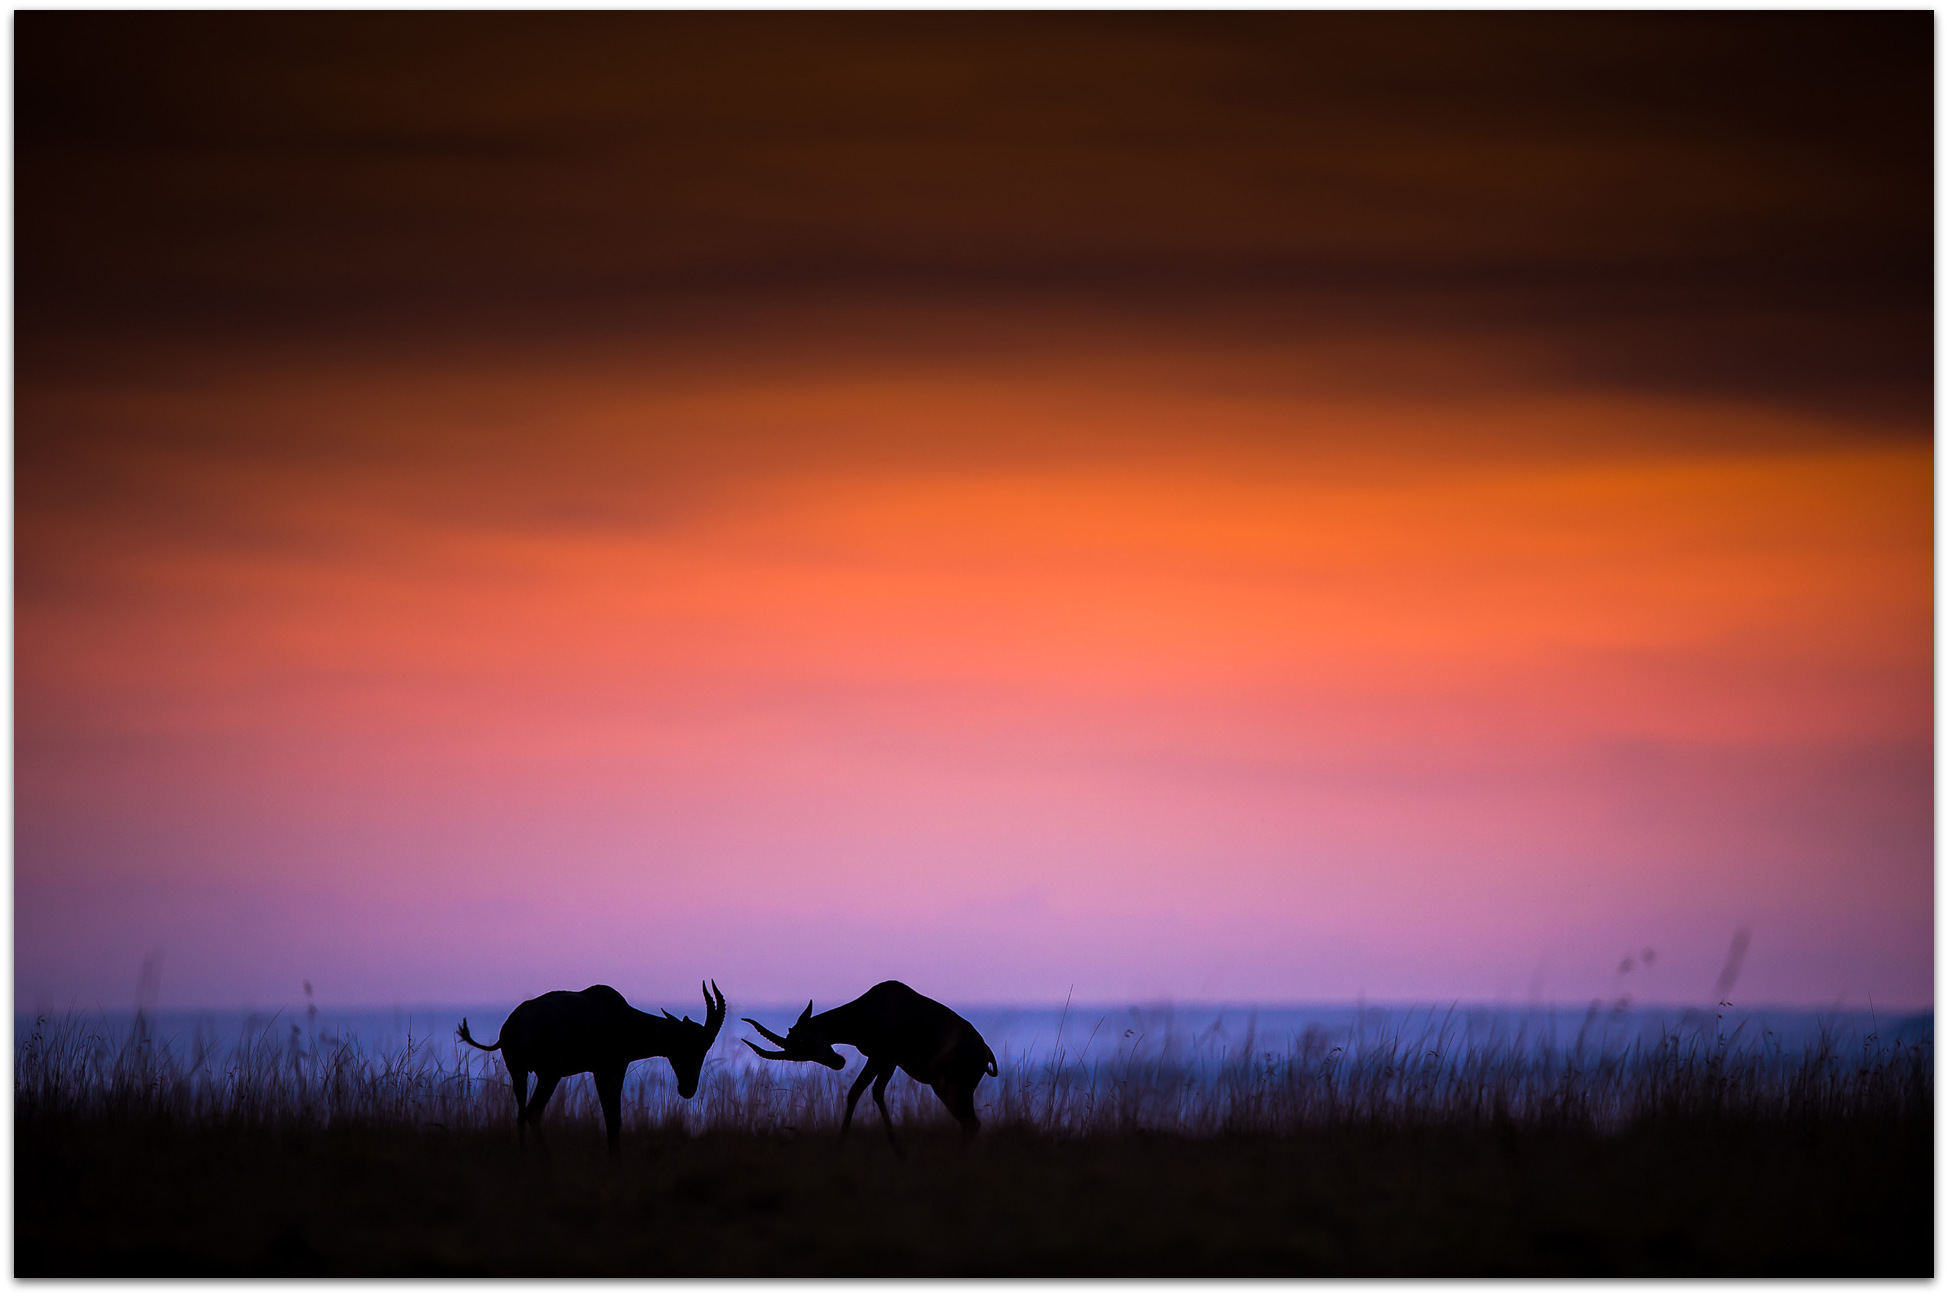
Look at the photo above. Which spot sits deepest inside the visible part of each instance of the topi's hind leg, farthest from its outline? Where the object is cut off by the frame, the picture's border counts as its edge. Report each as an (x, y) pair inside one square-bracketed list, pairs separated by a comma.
[(879, 1097), (519, 1075), (866, 1074), (544, 1088)]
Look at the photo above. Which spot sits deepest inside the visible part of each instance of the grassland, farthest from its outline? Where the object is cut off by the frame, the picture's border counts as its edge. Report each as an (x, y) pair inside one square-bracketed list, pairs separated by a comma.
[(289, 1156)]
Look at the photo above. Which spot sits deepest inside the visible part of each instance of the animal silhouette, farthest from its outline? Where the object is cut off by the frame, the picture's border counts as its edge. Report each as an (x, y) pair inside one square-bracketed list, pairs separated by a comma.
[(893, 1026), (567, 1032)]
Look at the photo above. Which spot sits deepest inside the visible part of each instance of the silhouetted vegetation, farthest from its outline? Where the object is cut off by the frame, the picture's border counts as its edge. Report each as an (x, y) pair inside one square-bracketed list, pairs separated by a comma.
[(291, 1154)]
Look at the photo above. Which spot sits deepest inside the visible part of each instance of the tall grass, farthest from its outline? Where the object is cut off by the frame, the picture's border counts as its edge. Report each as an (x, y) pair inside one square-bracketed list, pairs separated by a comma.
[(1393, 1079), (78, 1066)]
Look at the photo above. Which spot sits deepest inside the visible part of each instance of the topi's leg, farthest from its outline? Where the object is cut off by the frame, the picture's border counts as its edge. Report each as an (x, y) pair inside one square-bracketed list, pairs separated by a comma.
[(866, 1074), (608, 1087), (879, 1097), (544, 1088), (519, 1075)]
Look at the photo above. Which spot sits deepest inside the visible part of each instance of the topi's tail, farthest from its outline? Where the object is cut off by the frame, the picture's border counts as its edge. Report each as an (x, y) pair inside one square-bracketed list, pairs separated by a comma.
[(468, 1038)]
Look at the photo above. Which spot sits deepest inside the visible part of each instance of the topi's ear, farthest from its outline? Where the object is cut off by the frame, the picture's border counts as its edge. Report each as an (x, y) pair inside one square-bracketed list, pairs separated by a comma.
[(806, 1015)]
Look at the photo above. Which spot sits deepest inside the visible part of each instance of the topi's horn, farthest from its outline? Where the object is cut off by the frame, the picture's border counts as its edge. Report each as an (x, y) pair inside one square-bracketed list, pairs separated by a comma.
[(771, 1035), (713, 1018), (776, 1055)]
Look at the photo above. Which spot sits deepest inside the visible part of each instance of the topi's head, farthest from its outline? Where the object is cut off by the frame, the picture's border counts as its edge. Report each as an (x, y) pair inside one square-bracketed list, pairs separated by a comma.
[(687, 1058), (802, 1043)]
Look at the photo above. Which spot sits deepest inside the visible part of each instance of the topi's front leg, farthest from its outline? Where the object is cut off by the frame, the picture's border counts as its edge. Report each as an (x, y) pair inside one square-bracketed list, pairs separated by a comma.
[(879, 1097), (852, 1098), (608, 1087)]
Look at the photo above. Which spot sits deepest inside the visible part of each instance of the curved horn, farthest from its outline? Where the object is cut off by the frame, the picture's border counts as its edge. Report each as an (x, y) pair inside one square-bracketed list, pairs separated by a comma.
[(776, 1055), (769, 1034), (713, 1019)]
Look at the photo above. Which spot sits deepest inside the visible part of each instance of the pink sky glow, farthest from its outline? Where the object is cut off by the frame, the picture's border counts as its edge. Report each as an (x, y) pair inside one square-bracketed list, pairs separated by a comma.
[(1008, 679)]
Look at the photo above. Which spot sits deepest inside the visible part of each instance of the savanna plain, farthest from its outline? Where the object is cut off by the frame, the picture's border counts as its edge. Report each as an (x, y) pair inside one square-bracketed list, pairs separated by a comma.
[(297, 1155)]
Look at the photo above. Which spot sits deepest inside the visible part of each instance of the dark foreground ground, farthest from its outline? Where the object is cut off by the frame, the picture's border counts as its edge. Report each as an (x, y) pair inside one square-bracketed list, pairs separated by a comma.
[(104, 1197)]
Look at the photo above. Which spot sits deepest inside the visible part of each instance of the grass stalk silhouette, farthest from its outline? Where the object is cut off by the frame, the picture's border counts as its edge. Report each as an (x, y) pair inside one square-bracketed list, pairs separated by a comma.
[(77, 1066), (1386, 1151)]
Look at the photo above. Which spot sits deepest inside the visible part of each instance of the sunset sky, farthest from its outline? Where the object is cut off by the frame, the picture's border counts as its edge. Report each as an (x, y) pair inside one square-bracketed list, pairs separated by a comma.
[(1269, 507)]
